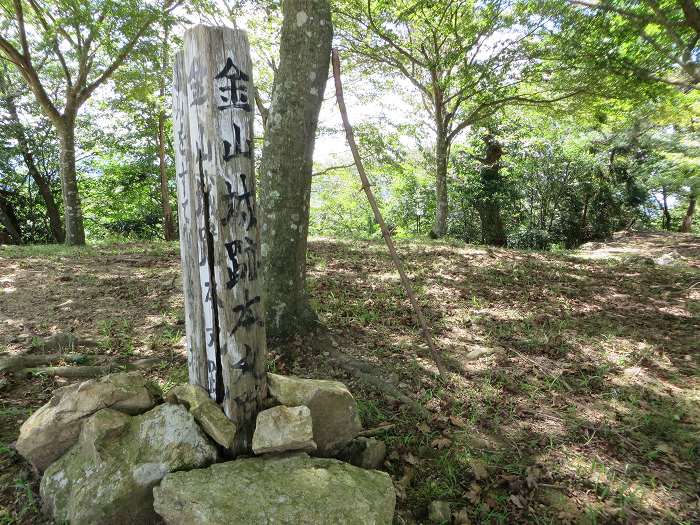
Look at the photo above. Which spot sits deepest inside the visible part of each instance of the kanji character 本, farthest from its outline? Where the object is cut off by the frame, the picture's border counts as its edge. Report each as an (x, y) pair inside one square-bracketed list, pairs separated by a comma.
[(234, 93), (246, 313), (235, 199)]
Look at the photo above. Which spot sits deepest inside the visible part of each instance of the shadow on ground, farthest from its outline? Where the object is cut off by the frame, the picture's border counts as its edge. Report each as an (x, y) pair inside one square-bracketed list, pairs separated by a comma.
[(573, 392)]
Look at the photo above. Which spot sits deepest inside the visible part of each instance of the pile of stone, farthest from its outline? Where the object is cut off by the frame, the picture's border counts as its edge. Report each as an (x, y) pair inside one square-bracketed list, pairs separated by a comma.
[(111, 451)]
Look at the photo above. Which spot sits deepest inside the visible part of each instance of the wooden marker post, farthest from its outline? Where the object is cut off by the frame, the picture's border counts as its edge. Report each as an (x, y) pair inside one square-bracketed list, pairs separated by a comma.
[(219, 239)]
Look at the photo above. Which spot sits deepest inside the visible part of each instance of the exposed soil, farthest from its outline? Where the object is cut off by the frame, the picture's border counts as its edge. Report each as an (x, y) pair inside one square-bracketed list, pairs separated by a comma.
[(573, 393)]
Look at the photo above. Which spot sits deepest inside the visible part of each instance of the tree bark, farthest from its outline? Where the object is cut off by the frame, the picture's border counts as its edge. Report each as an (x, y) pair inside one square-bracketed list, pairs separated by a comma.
[(688, 219), (666, 223), (72, 210), (52, 211), (10, 224), (489, 208), (168, 221), (287, 161), (441, 154)]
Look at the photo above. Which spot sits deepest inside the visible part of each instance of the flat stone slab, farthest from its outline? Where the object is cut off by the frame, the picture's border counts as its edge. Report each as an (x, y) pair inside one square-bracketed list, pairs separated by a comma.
[(282, 490), (205, 411)]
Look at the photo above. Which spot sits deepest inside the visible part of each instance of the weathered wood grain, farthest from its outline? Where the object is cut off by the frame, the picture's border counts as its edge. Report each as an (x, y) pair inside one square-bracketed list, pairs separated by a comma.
[(220, 122), (189, 246)]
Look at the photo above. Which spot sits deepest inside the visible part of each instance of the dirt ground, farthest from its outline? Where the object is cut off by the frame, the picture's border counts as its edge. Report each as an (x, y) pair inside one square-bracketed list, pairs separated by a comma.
[(573, 392)]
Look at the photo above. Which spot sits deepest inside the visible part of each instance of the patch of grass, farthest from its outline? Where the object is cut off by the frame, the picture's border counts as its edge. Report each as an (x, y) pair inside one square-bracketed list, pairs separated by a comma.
[(46, 251), (116, 336), (371, 412), (177, 376)]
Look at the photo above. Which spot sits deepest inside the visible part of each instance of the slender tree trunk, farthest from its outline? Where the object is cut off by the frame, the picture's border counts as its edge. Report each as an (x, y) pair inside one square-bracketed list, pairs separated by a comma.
[(52, 211), (168, 221), (583, 224), (492, 230), (72, 210), (8, 221), (688, 219), (286, 165), (666, 223), (442, 148)]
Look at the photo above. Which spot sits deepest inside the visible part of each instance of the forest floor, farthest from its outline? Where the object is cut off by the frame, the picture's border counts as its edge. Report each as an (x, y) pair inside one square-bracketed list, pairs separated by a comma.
[(573, 396)]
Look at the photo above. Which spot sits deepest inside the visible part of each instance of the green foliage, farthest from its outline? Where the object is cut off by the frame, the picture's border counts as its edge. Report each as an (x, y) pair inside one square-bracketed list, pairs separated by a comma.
[(123, 200), (19, 194), (530, 239), (621, 148)]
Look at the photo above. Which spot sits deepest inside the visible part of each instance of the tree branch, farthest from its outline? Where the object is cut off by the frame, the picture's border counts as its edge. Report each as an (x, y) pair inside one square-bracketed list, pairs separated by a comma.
[(54, 42), (31, 78), (333, 168), (85, 92)]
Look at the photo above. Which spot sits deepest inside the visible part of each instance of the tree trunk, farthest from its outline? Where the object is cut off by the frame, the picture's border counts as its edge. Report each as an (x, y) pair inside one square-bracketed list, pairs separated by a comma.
[(492, 230), (441, 153), (666, 223), (52, 211), (688, 219), (72, 210), (168, 222), (287, 161), (8, 221)]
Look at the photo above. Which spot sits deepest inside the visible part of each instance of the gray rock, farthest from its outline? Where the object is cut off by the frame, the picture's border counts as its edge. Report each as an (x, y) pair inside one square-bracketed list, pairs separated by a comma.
[(364, 452), (284, 490), (54, 428), (440, 512), (668, 258), (282, 428), (333, 409), (108, 476), (206, 412)]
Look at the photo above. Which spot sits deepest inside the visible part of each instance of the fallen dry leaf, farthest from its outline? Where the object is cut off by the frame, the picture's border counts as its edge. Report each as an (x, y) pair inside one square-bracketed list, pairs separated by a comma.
[(533, 474), (424, 428), (518, 501), (474, 493), (441, 442), (410, 458), (458, 422), (461, 517)]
